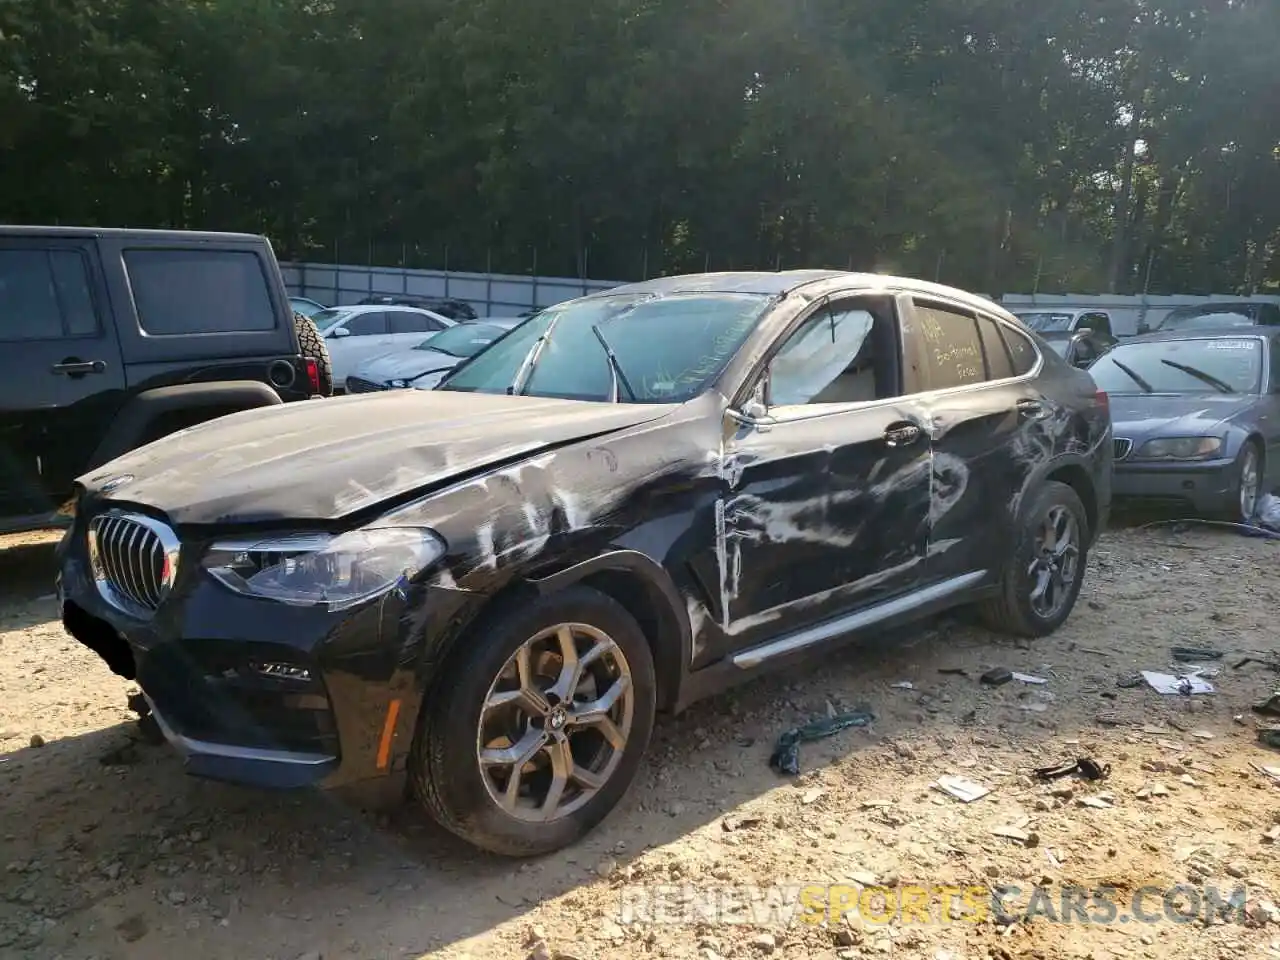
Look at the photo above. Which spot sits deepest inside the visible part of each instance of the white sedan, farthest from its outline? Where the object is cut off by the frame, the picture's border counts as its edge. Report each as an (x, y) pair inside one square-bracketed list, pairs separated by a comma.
[(354, 334)]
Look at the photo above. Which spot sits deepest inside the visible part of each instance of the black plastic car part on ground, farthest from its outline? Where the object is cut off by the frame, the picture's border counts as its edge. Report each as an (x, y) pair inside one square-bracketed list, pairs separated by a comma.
[(449, 307), (1196, 417), (112, 338), (629, 502)]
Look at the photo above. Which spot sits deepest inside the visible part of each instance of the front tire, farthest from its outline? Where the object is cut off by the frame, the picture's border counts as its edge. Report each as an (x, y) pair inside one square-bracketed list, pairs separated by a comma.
[(538, 726), (1246, 489), (1042, 580)]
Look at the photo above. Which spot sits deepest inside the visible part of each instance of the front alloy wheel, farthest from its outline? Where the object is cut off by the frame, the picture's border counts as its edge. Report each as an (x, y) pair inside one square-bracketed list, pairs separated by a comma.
[(536, 725), (1250, 482), (555, 722)]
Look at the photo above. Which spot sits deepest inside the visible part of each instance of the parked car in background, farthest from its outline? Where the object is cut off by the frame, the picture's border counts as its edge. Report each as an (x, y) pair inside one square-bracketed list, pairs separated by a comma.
[(1220, 316), (1196, 416), (355, 334), (449, 307), (627, 503), (424, 365), (1066, 321), (308, 308), (110, 339), (1079, 347)]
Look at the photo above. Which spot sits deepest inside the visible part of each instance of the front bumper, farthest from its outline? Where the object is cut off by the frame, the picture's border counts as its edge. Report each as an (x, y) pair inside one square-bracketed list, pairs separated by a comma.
[(341, 712), (1207, 485)]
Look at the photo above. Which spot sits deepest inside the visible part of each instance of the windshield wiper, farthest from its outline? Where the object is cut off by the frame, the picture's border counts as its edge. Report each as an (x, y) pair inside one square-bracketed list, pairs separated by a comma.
[(531, 358), (1146, 387), (615, 368), (1219, 385)]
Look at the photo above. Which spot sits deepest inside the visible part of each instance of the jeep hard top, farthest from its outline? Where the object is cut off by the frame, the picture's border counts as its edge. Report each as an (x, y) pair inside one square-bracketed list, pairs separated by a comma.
[(110, 339)]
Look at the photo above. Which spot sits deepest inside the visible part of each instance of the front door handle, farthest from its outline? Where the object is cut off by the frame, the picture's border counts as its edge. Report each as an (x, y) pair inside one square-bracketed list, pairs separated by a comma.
[(901, 434), (1032, 410), (75, 367)]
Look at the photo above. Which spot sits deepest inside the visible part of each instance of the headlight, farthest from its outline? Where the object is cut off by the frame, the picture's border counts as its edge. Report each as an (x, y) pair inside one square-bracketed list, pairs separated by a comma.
[(317, 569), (1181, 448)]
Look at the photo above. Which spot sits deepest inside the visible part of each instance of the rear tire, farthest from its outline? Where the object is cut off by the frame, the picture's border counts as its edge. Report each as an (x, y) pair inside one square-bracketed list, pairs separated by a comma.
[(311, 344), (1041, 581), (586, 731)]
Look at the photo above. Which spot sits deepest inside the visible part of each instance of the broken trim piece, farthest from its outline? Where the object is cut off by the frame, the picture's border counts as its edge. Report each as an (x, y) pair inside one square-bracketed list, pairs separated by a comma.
[(857, 620)]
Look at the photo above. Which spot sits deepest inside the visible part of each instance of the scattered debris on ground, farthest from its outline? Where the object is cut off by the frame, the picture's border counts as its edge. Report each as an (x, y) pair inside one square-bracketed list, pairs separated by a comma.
[(111, 852)]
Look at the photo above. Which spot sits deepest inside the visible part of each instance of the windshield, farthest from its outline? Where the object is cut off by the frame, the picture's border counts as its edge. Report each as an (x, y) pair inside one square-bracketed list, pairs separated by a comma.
[(1216, 319), (668, 348), (1182, 367), (1044, 322), (464, 340), (327, 318)]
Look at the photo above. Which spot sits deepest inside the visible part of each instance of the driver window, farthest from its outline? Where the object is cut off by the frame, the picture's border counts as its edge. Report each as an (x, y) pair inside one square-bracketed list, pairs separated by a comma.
[(844, 353)]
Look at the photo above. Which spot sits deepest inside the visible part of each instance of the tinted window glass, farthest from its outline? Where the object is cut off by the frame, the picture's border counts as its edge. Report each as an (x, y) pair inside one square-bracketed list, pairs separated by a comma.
[(950, 345), (1044, 321), (328, 318), (825, 360), (669, 348), (999, 363), (44, 295), (1222, 365), (1021, 351), (1216, 320), (402, 322), (199, 291), (367, 324), (464, 340)]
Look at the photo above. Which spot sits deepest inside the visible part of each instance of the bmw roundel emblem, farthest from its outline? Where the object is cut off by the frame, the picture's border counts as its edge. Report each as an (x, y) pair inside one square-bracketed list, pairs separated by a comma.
[(115, 483)]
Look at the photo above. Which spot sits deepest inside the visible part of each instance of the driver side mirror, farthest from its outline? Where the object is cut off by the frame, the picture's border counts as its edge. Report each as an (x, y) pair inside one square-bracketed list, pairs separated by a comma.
[(754, 409), (341, 332)]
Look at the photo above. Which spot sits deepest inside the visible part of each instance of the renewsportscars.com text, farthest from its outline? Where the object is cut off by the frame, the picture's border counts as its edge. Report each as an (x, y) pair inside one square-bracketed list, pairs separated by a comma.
[(787, 904)]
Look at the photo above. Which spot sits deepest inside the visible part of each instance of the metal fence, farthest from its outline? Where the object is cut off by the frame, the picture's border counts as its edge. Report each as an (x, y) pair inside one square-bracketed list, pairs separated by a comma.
[(1126, 312), (492, 294), (499, 294)]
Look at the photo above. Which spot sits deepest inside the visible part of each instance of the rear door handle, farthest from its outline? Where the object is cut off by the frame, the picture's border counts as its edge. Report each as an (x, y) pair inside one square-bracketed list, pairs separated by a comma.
[(901, 434), (72, 367), (1032, 410)]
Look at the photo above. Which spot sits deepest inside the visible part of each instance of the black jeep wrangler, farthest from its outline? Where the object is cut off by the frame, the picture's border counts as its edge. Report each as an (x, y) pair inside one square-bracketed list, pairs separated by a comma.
[(110, 339)]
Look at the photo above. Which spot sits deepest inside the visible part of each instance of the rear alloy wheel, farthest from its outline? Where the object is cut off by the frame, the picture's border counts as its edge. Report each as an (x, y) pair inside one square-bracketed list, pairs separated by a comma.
[(1042, 579), (538, 725), (1052, 570), (1242, 505)]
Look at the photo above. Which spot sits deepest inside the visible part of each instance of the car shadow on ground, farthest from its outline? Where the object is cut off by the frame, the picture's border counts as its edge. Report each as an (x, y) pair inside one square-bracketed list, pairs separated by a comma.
[(110, 843), (239, 872)]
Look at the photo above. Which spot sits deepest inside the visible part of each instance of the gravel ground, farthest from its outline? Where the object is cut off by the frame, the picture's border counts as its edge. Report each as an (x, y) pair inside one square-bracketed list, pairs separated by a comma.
[(110, 851)]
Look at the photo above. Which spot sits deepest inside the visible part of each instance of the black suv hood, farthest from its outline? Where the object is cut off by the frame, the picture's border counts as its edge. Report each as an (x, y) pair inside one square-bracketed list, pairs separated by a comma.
[(325, 460)]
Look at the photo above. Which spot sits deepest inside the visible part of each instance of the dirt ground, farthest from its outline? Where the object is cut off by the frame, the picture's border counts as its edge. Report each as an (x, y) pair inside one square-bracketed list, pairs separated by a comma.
[(110, 851)]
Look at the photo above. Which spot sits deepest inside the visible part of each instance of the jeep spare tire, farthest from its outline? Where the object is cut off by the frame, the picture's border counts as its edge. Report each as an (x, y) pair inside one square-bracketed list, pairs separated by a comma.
[(312, 346)]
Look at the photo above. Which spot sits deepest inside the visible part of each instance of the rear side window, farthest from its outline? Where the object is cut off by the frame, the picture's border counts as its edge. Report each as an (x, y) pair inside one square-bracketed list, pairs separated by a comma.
[(199, 291), (999, 363), (44, 295), (951, 348), (1021, 351), (404, 322), (367, 324)]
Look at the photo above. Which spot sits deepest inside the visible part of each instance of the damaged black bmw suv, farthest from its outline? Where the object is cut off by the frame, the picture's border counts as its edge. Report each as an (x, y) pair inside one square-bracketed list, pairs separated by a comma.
[(625, 504)]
